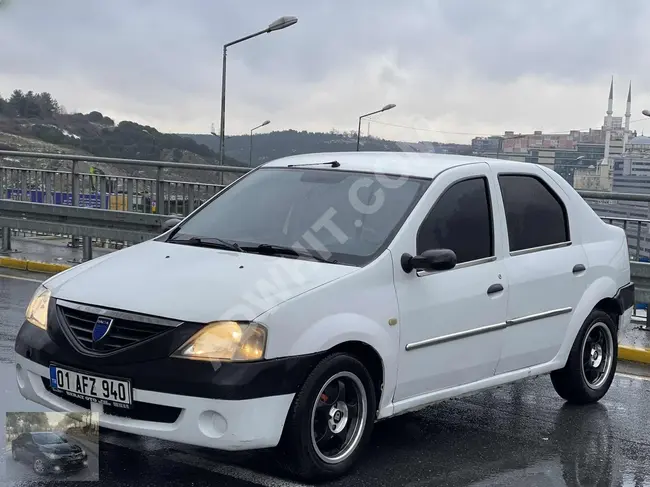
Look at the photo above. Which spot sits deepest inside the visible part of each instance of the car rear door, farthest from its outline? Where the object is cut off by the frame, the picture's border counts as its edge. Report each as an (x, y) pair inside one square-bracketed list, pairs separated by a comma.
[(546, 267), (451, 322)]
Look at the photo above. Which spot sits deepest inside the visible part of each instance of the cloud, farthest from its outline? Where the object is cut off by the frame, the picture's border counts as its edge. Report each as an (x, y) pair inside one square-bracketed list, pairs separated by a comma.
[(453, 66)]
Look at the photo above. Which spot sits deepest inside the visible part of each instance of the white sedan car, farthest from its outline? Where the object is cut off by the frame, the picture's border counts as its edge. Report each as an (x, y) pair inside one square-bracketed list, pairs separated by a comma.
[(320, 293)]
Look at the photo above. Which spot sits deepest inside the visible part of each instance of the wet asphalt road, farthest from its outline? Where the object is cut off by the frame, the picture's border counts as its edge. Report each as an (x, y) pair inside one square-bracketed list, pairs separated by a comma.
[(516, 435)]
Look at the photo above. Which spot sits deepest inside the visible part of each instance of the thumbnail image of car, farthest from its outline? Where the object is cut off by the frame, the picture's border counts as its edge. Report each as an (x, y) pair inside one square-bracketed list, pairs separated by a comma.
[(48, 452)]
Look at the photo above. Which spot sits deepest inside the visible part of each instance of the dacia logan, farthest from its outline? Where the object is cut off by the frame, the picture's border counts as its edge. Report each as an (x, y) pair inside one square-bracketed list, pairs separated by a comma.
[(321, 293)]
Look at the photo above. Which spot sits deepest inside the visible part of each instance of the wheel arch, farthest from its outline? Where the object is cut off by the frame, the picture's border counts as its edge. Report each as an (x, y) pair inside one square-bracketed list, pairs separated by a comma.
[(612, 307), (369, 357), (599, 295), (375, 345)]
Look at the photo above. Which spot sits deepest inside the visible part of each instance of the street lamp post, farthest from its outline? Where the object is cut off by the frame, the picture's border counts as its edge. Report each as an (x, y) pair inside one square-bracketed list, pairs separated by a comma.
[(387, 107), (250, 155), (281, 23)]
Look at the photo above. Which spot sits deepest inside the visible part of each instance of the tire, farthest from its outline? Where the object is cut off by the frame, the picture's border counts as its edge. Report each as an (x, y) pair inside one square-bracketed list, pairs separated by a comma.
[(578, 383), (303, 447), (39, 466), (14, 455)]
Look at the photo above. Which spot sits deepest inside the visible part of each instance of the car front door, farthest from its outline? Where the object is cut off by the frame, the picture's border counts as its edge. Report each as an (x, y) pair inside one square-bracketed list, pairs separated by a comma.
[(451, 322), (546, 268)]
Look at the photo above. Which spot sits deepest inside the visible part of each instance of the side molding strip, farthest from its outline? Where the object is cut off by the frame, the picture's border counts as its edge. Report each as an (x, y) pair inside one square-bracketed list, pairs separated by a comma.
[(486, 329), (540, 316)]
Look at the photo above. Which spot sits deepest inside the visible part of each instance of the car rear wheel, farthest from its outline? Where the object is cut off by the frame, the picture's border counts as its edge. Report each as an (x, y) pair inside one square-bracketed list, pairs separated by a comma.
[(591, 366), (331, 419)]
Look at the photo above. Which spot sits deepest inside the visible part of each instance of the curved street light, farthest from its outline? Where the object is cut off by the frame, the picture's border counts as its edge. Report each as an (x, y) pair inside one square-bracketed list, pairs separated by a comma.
[(387, 107), (250, 155), (646, 113), (279, 24)]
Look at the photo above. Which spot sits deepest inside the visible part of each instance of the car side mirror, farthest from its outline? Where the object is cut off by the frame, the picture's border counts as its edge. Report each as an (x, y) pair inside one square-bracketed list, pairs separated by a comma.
[(169, 224), (429, 260)]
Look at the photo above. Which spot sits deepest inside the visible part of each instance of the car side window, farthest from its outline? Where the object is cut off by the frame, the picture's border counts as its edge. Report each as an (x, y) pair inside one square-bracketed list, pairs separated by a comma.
[(535, 214), (461, 220)]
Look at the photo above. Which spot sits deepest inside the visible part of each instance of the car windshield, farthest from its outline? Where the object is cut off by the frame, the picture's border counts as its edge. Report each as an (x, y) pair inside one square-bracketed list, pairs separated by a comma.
[(47, 438), (325, 214)]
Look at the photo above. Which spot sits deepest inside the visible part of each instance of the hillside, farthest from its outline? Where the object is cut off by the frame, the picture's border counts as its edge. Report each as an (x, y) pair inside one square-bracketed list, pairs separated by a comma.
[(36, 122), (269, 146)]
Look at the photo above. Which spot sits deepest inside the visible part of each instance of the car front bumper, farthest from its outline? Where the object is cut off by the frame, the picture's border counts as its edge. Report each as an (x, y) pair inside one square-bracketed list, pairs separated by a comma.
[(64, 465), (227, 406), (213, 423)]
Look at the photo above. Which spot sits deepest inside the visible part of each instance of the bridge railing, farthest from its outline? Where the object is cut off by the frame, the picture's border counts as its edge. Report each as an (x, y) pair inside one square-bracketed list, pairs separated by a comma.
[(161, 193)]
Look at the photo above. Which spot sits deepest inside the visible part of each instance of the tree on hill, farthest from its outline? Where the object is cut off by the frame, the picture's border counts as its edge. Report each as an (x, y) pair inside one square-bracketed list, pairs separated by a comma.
[(41, 116), (29, 105)]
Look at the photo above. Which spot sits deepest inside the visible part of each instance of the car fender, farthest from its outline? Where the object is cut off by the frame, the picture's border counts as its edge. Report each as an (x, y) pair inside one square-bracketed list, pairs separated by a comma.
[(337, 329), (601, 288)]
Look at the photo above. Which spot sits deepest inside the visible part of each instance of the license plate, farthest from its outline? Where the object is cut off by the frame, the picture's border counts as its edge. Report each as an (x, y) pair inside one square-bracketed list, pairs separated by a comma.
[(104, 390)]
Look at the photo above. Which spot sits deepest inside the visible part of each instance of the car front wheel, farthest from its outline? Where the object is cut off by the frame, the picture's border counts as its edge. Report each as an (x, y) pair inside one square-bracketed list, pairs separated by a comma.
[(591, 366), (39, 466), (331, 419)]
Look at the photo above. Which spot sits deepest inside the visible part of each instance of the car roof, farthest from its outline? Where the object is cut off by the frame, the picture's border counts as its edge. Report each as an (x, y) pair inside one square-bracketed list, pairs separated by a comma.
[(414, 164)]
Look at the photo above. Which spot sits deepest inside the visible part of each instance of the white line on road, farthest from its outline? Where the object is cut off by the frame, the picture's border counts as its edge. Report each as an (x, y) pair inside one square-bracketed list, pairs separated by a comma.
[(19, 278), (233, 471)]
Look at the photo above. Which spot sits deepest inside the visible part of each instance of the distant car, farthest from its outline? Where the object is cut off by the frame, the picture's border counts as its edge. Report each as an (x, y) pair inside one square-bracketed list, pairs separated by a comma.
[(320, 293), (48, 452)]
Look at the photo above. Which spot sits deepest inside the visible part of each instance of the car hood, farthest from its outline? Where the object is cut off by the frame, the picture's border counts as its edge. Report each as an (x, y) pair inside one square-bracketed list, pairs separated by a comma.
[(191, 283), (60, 448)]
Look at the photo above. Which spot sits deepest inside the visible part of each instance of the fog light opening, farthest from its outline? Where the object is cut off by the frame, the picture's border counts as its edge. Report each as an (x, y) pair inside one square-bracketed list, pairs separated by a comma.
[(212, 424)]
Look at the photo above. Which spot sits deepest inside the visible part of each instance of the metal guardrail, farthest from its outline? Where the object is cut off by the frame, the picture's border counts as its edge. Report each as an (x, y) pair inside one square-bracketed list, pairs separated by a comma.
[(75, 188), (640, 272), (603, 195), (87, 223), (137, 162)]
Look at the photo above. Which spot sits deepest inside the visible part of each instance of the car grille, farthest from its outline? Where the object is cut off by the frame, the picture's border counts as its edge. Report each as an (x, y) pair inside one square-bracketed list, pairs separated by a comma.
[(124, 332)]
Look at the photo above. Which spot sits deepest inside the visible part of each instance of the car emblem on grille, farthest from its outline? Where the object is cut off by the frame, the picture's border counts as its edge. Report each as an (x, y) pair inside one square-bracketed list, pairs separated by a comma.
[(102, 327)]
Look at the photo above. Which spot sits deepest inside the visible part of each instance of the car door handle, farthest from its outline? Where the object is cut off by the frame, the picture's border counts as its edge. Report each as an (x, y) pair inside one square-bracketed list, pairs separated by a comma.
[(495, 288), (578, 268)]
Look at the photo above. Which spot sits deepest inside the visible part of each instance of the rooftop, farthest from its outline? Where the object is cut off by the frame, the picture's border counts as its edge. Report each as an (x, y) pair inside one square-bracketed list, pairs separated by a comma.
[(414, 164)]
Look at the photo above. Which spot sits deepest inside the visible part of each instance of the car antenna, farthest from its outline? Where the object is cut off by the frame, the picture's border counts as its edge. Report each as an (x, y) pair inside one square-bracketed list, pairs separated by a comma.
[(331, 163)]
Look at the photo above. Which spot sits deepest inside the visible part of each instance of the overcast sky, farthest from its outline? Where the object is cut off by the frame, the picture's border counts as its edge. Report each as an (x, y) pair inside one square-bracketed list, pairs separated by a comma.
[(453, 67)]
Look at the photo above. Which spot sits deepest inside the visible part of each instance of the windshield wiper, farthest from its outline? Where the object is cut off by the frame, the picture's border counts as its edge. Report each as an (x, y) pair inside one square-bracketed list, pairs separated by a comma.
[(211, 242), (269, 249), (331, 163)]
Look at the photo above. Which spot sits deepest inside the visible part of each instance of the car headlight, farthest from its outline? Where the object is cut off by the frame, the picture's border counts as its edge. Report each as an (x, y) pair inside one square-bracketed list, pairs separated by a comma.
[(226, 340), (36, 312), (51, 456)]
